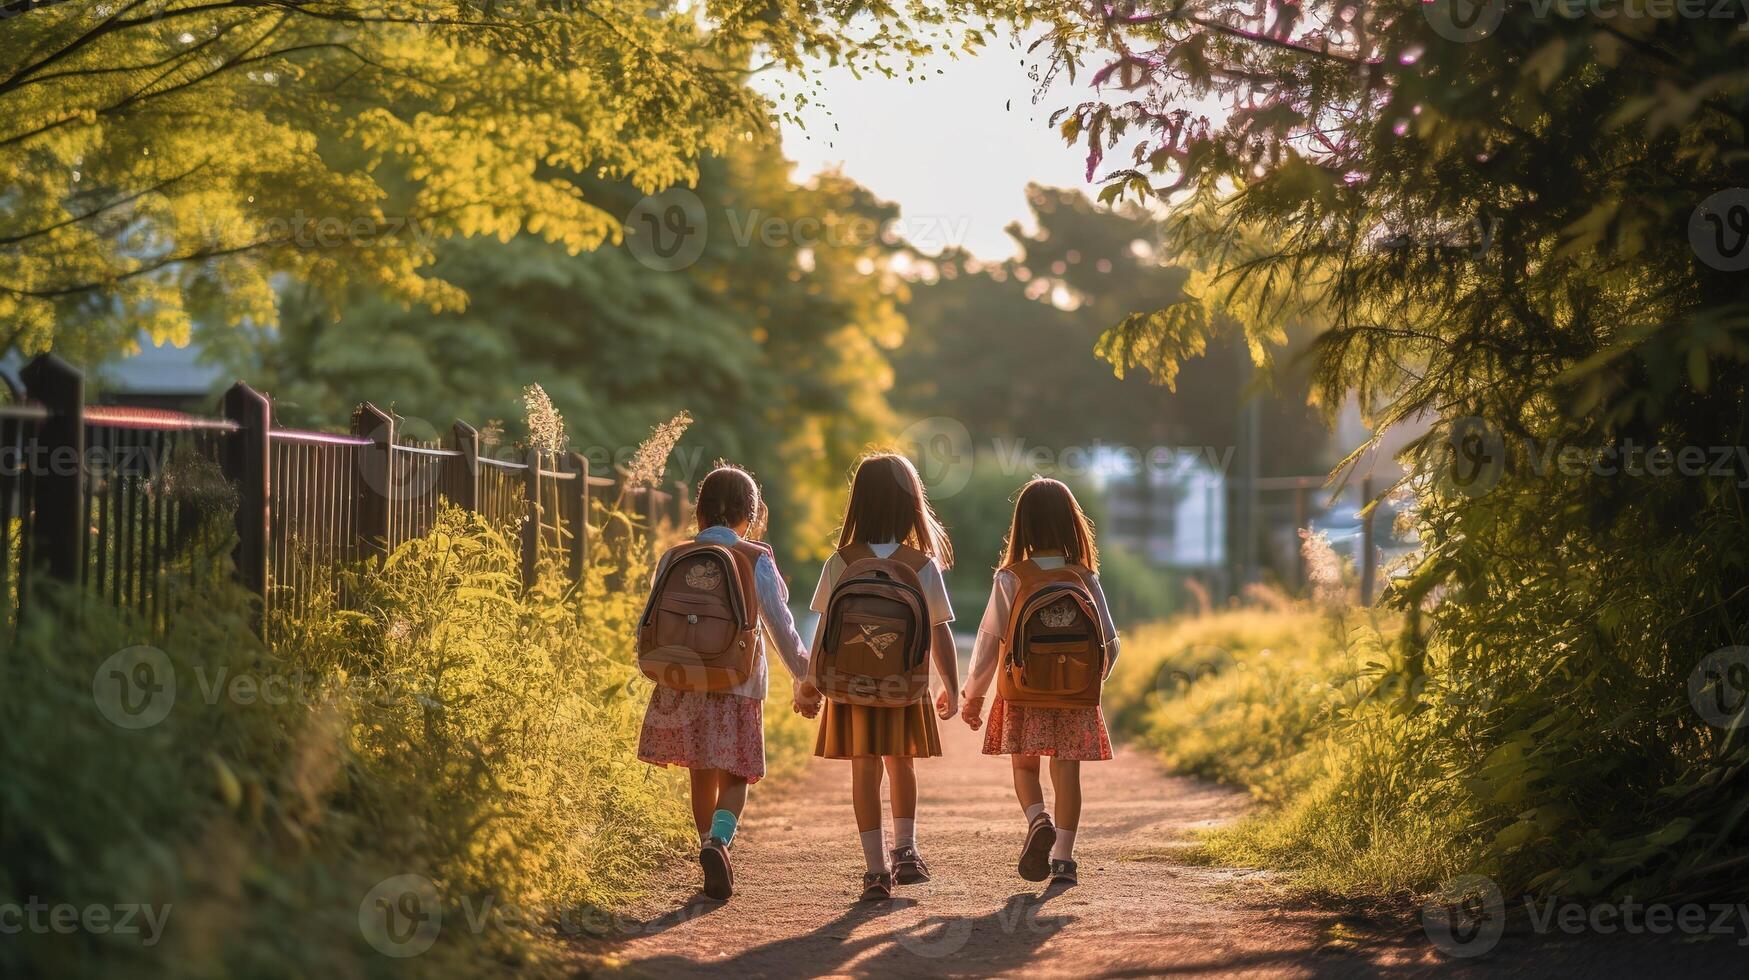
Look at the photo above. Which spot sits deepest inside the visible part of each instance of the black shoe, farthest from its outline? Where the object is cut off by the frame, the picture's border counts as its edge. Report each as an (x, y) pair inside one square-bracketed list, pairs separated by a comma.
[(1064, 872), (908, 866), (719, 873), (877, 886), (1035, 857)]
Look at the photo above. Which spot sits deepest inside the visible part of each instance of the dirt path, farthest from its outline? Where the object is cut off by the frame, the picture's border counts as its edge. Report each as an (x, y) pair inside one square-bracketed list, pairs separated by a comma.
[(1136, 912)]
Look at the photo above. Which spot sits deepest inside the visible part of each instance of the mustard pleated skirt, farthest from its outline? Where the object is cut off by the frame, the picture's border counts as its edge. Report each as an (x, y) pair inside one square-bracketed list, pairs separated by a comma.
[(850, 730)]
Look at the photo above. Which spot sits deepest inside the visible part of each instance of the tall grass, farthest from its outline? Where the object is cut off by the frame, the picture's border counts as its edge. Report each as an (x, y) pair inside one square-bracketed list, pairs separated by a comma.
[(447, 725), (1296, 706)]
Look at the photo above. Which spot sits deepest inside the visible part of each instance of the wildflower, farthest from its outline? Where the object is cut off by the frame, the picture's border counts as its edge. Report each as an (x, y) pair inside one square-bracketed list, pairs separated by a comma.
[(651, 459), (546, 428), (1323, 568)]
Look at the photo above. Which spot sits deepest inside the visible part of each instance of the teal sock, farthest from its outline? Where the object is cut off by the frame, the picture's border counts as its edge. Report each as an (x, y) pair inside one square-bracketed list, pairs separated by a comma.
[(723, 826)]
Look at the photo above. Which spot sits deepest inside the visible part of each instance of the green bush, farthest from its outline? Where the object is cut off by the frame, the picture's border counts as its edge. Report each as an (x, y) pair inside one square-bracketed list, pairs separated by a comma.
[(445, 725)]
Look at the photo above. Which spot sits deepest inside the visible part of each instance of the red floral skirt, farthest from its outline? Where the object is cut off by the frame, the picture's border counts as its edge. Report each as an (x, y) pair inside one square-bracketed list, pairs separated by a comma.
[(1065, 733), (704, 730)]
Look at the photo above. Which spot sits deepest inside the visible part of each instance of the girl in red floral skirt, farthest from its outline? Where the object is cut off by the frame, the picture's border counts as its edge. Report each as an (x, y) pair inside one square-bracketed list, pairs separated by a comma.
[(1049, 529), (720, 735)]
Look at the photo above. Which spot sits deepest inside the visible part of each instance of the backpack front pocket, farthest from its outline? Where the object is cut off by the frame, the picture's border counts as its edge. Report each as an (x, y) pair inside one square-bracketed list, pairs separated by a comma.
[(703, 624), (872, 645)]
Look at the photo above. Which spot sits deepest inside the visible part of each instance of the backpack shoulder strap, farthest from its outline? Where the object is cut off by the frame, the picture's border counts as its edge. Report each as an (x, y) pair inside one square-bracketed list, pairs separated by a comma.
[(855, 551), (911, 558)]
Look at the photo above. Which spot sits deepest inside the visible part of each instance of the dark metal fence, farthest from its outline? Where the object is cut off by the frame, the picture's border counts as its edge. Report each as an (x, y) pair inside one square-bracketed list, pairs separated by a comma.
[(135, 504)]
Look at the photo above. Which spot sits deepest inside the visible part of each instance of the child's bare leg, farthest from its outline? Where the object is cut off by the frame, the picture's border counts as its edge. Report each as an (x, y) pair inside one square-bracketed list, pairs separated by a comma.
[(1027, 787), (1066, 783), (704, 798), (904, 775), (732, 792), (865, 799)]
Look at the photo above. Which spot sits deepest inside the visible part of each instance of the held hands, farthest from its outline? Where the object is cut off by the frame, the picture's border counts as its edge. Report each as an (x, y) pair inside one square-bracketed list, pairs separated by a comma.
[(947, 704), (807, 699), (973, 713)]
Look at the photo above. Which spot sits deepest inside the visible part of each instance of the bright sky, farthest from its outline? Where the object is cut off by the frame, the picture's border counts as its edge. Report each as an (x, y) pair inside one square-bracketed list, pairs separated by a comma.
[(950, 151)]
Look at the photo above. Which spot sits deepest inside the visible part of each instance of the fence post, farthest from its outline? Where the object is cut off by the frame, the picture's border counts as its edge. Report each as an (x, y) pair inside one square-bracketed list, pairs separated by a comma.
[(683, 505), (580, 533), (1300, 515), (244, 462), (374, 477), (58, 532), (465, 439), (531, 523), (1369, 559)]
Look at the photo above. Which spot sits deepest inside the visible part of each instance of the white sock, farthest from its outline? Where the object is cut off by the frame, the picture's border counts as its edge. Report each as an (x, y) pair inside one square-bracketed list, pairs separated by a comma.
[(874, 851), (1033, 811), (904, 832), (704, 837), (1065, 846)]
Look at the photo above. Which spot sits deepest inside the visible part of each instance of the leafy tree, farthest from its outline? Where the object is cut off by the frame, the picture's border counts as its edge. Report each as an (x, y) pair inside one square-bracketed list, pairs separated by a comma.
[(1527, 230), (1008, 348), (161, 159), (773, 339)]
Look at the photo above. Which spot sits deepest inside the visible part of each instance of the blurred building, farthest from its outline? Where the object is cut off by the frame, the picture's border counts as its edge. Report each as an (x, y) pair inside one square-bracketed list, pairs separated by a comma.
[(1170, 509)]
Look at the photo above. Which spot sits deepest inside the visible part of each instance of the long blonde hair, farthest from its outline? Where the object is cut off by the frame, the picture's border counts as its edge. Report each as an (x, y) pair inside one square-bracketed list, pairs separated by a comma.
[(887, 503)]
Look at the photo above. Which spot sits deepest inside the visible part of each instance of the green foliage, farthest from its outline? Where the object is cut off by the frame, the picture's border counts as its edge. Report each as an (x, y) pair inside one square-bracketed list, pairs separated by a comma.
[(448, 725), (1496, 230), (170, 159), (773, 340), (1009, 348)]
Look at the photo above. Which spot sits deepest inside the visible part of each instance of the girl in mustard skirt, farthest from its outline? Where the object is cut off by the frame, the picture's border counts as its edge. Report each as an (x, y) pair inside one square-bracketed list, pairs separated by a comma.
[(888, 510)]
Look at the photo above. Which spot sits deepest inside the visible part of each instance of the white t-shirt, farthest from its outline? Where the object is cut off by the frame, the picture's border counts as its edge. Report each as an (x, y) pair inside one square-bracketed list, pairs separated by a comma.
[(934, 587)]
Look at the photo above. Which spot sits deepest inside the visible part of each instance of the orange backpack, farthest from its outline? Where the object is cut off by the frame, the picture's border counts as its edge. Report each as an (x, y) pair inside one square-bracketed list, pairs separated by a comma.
[(874, 647), (1053, 654), (700, 628)]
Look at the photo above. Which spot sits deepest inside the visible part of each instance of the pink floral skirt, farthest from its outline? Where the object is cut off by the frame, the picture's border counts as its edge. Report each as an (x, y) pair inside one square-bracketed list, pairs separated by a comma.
[(704, 730), (1066, 733)]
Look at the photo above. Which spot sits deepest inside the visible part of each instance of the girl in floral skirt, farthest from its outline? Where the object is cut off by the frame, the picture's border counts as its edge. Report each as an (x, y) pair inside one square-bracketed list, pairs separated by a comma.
[(1050, 529), (720, 735)]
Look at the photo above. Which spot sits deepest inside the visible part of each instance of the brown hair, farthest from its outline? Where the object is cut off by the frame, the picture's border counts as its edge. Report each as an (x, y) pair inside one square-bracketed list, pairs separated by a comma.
[(727, 496), (1047, 517), (887, 503)]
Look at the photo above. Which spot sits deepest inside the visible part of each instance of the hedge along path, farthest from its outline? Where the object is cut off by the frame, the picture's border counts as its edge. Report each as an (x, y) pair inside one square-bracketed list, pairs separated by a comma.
[(1138, 911)]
